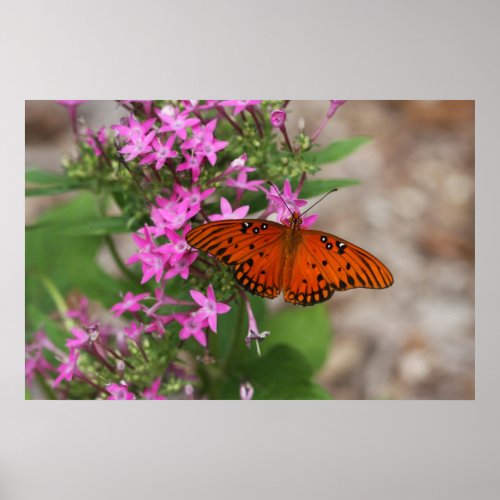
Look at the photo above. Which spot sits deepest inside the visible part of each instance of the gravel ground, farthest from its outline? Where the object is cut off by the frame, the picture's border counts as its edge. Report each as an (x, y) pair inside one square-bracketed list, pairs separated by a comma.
[(414, 210)]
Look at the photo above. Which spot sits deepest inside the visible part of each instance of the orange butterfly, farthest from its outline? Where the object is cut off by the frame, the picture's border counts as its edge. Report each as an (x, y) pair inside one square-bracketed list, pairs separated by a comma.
[(309, 266)]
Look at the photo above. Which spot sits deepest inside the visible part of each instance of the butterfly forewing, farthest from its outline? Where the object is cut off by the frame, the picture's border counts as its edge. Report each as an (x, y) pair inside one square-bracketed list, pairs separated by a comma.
[(253, 247), (346, 265)]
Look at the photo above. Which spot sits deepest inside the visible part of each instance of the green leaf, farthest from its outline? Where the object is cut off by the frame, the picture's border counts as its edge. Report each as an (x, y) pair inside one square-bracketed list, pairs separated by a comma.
[(37, 176), (106, 225), (335, 151), (69, 261), (306, 329), (48, 183), (283, 373), (317, 187), (51, 190)]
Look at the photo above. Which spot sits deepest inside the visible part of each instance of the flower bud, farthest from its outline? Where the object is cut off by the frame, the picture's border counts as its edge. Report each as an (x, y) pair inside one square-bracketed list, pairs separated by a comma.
[(277, 117)]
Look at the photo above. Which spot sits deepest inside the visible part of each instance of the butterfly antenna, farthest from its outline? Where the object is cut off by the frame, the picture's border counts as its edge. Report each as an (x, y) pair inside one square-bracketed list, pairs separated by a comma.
[(279, 194), (321, 199)]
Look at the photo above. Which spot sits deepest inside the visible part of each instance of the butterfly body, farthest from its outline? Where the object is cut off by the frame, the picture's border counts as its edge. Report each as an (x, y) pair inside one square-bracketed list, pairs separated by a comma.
[(308, 265)]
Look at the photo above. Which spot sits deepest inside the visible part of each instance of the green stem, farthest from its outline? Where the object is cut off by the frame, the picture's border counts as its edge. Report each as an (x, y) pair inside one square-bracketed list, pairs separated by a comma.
[(118, 261), (236, 336), (58, 300)]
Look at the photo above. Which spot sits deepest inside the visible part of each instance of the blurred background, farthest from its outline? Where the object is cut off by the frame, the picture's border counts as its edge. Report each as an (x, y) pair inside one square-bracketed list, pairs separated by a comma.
[(414, 210)]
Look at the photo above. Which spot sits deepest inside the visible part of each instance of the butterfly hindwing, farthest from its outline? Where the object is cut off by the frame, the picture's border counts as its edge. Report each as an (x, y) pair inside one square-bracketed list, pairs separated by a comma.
[(253, 247)]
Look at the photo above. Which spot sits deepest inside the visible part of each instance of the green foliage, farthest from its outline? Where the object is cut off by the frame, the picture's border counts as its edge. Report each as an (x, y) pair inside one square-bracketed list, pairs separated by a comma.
[(307, 329), (69, 260), (336, 151)]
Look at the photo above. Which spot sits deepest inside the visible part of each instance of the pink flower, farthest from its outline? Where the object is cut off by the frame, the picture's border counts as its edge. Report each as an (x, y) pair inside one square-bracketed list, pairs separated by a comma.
[(209, 147), (152, 392), (129, 303), (277, 117), (246, 391), (157, 323), (177, 123), (133, 331), (81, 337), (239, 106), (138, 146), (334, 105), (238, 165), (209, 307), (135, 129), (193, 326), (71, 107), (145, 244), (253, 331), (242, 182), (35, 361), (119, 392), (181, 267), (67, 370), (153, 264), (199, 133), (193, 163), (178, 245), (161, 152), (289, 201), (228, 213)]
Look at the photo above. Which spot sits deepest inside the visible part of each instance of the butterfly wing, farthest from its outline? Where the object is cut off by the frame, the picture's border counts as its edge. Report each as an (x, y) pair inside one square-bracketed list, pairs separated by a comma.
[(324, 263), (254, 247)]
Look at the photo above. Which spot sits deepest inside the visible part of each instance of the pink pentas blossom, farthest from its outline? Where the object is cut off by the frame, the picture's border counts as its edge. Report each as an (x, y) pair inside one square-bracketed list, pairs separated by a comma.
[(138, 146), (80, 338), (157, 323), (66, 370), (133, 331), (153, 265), (135, 129), (209, 147), (35, 361), (228, 213), (334, 105), (193, 325), (119, 392), (161, 152), (177, 122), (178, 245), (238, 165), (192, 162), (129, 303), (145, 244), (195, 196), (253, 330), (288, 201), (240, 105), (182, 266), (152, 392), (177, 214), (209, 307), (242, 182), (68, 103), (198, 134)]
